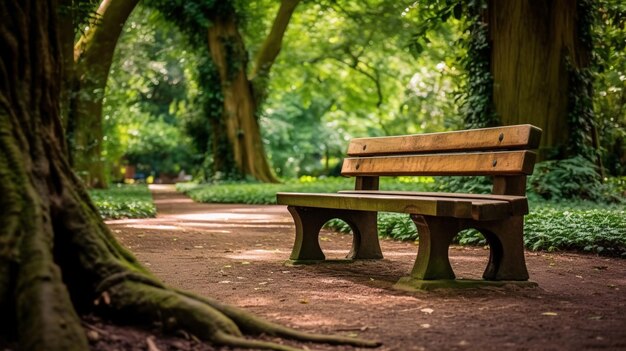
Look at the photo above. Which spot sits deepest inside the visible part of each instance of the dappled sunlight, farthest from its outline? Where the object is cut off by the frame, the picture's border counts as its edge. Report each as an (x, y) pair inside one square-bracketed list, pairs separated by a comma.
[(258, 255), (399, 254), (173, 201), (465, 258), (220, 224), (155, 227), (255, 301), (226, 216)]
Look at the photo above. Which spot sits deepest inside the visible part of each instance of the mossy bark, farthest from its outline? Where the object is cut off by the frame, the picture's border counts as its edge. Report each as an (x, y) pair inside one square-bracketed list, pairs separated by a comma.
[(93, 55), (532, 42), (56, 254), (243, 96)]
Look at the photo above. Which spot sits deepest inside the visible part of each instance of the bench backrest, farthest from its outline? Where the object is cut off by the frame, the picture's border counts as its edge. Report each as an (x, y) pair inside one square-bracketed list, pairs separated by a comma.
[(502, 152)]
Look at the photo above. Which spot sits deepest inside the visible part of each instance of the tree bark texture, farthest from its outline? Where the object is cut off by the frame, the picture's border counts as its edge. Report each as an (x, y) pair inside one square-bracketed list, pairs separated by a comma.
[(93, 55), (532, 41), (243, 96), (240, 119), (56, 254)]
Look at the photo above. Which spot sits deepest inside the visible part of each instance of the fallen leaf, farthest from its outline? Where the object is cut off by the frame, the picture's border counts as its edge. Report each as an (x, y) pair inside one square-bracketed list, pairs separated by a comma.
[(323, 238), (600, 268), (106, 298), (304, 301), (93, 335), (151, 344), (245, 262), (224, 282), (549, 314), (427, 310), (425, 325), (198, 246)]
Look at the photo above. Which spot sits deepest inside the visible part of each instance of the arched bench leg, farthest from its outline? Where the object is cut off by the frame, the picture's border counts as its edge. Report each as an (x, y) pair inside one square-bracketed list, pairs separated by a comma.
[(506, 243), (309, 222), (365, 243), (435, 237)]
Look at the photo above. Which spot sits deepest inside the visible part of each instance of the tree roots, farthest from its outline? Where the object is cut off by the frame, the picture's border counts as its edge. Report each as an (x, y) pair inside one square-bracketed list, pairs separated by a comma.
[(140, 297)]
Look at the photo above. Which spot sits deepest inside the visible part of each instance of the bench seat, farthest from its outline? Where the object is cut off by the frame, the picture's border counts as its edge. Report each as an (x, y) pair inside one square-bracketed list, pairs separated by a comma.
[(429, 204)]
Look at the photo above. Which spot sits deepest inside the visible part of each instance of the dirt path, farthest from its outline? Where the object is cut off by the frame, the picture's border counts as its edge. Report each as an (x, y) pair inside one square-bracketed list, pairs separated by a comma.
[(236, 253)]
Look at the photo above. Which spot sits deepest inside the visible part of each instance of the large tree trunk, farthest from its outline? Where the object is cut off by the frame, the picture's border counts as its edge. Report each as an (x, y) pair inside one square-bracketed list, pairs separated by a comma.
[(56, 253), (93, 56), (243, 96), (532, 41), (240, 107)]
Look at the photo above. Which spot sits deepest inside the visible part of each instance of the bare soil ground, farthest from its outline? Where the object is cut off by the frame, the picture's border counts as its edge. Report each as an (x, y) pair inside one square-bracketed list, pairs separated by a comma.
[(236, 253)]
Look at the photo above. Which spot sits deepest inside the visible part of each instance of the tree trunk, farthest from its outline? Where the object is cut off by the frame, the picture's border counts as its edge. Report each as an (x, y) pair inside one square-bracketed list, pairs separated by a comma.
[(56, 253), (243, 96), (93, 55), (240, 107), (67, 32), (532, 41)]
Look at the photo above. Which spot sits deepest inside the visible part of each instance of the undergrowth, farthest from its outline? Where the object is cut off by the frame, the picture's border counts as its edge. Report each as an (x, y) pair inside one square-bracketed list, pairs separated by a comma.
[(124, 201), (583, 226), (261, 193), (552, 225)]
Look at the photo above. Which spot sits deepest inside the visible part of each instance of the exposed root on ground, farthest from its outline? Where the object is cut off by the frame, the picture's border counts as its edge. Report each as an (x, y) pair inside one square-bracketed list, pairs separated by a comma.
[(207, 319)]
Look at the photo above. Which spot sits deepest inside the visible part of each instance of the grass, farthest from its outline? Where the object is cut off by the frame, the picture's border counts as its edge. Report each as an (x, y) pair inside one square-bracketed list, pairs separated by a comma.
[(550, 226), (124, 201)]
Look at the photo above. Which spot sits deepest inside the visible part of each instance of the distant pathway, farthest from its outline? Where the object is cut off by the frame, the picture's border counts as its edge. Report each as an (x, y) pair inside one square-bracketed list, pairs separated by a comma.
[(236, 253)]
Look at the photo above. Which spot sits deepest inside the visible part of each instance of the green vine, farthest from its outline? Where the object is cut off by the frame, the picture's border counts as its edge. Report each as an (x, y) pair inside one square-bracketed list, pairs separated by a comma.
[(478, 103), (580, 114)]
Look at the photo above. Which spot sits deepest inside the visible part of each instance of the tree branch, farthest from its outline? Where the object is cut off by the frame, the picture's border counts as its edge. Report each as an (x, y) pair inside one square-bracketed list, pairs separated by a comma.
[(270, 48)]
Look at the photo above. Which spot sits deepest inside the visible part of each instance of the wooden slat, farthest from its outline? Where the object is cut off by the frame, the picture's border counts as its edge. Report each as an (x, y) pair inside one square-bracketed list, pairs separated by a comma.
[(479, 209), (519, 204), (516, 137), (485, 163)]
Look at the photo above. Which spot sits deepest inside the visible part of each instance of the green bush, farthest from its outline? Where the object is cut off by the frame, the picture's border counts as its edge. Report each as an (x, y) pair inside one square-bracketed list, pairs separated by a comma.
[(261, 193), (583, 226), (124, 201), (572, 178)]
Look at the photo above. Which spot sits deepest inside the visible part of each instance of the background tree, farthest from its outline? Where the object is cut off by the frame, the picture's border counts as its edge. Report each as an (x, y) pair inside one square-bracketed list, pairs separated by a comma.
[(243, 95), (57, 255), (537, 47), (93, 56)]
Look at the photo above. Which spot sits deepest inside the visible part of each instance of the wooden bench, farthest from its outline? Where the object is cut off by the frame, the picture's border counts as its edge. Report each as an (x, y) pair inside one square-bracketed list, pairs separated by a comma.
[(501, 152)]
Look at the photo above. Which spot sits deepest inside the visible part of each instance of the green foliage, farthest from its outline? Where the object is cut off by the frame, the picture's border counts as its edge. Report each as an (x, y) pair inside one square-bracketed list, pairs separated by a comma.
[(260, 193), (477, 99), (124, 201), (464, 184), (149, 97), (572, 178), (610, 84), (583, 226), (346, 70)]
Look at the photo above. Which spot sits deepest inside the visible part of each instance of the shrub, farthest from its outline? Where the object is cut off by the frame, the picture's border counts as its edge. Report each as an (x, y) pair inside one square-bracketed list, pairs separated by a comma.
[(572, 178), (124, 201), (551, 227)]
